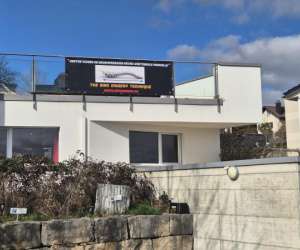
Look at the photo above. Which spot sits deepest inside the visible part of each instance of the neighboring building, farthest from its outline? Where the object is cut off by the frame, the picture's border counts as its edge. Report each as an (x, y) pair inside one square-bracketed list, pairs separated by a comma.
[(275, 116), (151, 130), (292, 117)]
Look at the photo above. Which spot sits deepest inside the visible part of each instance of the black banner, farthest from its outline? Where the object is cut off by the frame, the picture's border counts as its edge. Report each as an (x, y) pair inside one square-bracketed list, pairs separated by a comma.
[(119, 77)]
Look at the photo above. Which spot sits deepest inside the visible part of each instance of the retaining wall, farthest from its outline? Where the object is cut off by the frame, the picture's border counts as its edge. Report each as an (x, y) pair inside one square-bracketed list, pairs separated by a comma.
[(147, 232), (260, 210)]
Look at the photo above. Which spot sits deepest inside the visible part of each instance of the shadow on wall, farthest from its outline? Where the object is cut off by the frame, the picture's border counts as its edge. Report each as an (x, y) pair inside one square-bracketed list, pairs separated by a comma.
[(114, 127)]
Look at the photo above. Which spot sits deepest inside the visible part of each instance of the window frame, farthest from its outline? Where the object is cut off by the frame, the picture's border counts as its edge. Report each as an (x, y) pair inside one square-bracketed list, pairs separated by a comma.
[(160, 151)]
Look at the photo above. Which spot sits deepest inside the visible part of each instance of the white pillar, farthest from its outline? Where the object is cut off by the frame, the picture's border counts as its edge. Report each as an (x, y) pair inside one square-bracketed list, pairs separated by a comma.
[(9, 140)]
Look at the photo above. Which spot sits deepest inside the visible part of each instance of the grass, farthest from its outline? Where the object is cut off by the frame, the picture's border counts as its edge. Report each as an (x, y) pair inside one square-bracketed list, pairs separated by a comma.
[(137, 209), (143, 209), (30, 217)]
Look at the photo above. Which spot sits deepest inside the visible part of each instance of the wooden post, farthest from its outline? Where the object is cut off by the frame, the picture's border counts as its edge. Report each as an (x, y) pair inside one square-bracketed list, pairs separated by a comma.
[(112, 199)]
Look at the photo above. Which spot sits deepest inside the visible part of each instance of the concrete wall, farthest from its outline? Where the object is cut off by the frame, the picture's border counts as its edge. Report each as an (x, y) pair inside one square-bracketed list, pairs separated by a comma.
[(110, 141), (292, 124), (260, 210)]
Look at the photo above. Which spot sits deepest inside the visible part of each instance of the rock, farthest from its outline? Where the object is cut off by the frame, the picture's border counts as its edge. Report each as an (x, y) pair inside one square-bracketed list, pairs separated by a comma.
[(111, 229), (20, 235), (137, 244), (181, 224), (71, 231), (184, 242), (149, 226)]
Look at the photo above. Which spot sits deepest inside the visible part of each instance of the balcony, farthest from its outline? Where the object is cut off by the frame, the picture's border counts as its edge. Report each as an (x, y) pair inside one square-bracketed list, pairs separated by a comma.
[(219, 95)]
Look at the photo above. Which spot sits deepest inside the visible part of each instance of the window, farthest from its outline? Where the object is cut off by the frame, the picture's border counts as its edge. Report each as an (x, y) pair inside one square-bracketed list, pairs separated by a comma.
[(143, 147), (36, 142), (169, 148), (2, 141), (153, 147)]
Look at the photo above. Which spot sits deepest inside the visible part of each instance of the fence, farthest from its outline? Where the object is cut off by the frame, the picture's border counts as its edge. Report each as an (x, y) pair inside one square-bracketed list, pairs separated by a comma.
[(33, 73)]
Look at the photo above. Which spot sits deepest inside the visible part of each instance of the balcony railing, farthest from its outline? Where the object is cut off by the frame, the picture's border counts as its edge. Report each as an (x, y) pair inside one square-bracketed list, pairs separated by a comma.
[(25, 74)]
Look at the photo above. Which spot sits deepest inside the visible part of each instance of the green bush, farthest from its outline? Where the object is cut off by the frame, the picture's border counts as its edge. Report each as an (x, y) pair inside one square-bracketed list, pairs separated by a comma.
[(143, 209)]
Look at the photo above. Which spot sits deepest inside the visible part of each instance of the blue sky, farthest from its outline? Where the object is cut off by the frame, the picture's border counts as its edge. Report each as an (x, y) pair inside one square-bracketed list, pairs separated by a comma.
[(258, 31)]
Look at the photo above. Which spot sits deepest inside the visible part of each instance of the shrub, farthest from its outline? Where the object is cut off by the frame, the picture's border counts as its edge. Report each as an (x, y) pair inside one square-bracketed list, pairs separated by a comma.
[(66, 188)]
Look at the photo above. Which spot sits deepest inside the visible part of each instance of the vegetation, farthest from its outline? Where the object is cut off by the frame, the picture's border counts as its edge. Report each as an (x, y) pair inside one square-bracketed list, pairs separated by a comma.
[(60, 190), (144, 208), (7, 76), (246, 143)]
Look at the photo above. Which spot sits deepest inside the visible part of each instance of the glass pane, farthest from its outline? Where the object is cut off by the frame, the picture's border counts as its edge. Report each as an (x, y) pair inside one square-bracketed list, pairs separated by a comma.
[(170, 148), (143, 147), (2, 142), (36, 142)]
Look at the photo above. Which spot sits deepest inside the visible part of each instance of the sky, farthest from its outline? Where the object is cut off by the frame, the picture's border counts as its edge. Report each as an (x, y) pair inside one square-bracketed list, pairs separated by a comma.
[(265, 32)]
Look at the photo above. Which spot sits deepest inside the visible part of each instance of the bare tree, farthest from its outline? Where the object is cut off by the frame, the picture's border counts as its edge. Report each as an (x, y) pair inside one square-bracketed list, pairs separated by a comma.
[(7, 76)]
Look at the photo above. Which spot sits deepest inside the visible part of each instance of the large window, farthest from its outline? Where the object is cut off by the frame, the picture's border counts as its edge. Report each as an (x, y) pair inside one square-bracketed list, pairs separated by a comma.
[(29, 141), (153, 147), (35, 142)]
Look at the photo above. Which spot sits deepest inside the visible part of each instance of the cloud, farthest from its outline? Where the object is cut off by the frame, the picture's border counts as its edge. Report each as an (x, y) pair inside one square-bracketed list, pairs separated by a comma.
[(279, 57), (270, 96), (242, 9), (168, 5), (183, 52)]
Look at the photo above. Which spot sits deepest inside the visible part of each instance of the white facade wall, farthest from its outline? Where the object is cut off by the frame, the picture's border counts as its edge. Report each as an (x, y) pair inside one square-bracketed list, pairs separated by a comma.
[(292, 124), (100, 128), (240, 87), (68, 117), (110, 141)]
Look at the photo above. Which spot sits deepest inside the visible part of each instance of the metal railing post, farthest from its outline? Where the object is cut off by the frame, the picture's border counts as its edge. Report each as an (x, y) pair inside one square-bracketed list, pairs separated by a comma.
[(33, 75)]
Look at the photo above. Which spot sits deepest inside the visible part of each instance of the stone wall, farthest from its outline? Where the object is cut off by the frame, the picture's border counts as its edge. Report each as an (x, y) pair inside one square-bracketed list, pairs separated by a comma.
[(260, 210), (144, 232)]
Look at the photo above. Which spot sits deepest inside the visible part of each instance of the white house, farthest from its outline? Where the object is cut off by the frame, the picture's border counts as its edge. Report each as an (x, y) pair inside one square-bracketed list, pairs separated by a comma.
[(274, 115), (292, 117), (153, 130)]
